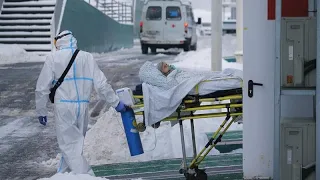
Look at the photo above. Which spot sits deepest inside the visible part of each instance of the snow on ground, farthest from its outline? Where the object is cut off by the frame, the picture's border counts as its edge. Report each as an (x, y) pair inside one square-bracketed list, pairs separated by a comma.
[(201, 60), (71, 176), (10, 54)]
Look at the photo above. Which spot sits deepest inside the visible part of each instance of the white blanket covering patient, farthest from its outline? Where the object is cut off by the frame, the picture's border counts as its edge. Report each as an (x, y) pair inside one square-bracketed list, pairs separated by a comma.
[(164, 87)]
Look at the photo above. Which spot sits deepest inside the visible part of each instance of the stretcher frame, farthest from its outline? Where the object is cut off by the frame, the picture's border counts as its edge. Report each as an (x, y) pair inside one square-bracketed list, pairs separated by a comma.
[(191, 104)]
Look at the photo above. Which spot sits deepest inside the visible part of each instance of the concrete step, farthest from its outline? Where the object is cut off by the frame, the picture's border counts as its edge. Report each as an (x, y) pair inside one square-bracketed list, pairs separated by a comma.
[(23, 33), (27, 9), (26, 0), (24, 28), (29, 3), (25, 22), (36, 47), (25, 40), (40, 53), (26, 16)]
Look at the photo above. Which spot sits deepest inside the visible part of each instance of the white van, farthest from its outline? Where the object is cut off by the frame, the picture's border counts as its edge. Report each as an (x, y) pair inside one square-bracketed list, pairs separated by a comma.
[(167, 24)]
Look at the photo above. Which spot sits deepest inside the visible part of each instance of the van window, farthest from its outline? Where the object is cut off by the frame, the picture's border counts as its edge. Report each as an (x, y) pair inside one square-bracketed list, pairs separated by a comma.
[(154, 13), (173, 13), (190, 16)]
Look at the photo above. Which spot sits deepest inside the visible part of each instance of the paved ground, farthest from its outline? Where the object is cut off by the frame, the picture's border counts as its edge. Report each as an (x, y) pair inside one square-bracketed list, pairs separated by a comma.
[(227, 166), (24, 143)]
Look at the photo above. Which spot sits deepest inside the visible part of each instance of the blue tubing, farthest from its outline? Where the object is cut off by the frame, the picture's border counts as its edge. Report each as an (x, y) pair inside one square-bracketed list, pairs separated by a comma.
[(132, 134)]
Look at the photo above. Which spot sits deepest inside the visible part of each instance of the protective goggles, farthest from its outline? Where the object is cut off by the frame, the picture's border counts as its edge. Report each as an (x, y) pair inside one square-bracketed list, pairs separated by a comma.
[(59, 37)]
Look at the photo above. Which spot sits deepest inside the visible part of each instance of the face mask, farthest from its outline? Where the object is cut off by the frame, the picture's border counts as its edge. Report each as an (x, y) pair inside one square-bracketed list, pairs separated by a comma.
[(172, 67)]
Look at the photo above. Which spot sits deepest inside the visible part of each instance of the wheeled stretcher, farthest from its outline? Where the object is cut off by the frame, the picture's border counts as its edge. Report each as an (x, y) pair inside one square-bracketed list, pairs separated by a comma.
[(229, 100)]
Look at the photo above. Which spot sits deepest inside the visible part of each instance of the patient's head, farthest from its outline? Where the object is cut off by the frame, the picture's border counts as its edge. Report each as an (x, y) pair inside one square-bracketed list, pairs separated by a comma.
[(164, 67)]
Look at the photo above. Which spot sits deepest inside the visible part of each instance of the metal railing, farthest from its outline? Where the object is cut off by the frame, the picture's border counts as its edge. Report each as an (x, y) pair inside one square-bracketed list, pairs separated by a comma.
[(119, 11)]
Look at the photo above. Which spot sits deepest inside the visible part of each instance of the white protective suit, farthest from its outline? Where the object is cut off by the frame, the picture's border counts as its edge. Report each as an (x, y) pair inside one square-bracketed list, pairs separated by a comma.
[(71, 99)]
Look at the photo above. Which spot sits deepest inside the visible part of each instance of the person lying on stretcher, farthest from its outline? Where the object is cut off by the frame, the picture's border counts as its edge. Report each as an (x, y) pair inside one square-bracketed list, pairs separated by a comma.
[(165, 76), (165, 68), (164, 86)]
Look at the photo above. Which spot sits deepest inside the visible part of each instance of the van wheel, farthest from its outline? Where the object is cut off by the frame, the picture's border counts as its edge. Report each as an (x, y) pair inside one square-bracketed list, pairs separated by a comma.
[(193, 47), (144, 49), (187, 47), (153, 50)]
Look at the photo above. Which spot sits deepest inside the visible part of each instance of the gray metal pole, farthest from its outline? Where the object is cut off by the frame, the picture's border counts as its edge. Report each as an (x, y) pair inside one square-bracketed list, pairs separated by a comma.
[(194, 145), (318, 95), (183, 145), (216, 35), (277, 94)]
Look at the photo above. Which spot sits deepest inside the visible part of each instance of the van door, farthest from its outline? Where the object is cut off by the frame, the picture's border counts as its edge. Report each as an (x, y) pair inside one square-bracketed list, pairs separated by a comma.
[(153, 24), (174, 22), (194, 37)]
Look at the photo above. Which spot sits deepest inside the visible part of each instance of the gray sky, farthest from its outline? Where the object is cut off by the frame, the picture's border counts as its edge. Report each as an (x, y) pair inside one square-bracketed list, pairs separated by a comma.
[(201, 4)]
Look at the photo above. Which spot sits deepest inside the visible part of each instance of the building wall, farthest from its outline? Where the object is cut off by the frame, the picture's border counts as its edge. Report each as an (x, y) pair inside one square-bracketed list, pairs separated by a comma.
[(95, 31)]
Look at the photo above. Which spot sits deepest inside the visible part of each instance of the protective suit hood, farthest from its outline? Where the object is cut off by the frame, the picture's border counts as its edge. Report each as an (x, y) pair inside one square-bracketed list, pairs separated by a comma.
[(66, 42)]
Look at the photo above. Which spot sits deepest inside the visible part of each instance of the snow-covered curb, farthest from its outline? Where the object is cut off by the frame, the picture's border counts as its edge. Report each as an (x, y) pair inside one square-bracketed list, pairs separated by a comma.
[(10, 54)]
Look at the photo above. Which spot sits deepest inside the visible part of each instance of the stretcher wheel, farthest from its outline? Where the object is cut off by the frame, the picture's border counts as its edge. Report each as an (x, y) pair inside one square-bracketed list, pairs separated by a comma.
[(201, 175), (190, 176)]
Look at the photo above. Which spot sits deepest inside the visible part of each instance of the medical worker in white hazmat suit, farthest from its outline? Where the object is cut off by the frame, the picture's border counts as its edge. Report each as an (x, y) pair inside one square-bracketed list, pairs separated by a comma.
[(72, 99)]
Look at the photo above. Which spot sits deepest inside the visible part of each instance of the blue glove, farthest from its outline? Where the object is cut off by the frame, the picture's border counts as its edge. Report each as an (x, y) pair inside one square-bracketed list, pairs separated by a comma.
[(43, 120), (121, 107)]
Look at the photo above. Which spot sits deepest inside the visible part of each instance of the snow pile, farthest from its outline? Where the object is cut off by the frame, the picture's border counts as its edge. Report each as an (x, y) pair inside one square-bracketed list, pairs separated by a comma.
[(161, 55), (106, 143), (71, 176), (10, 54)]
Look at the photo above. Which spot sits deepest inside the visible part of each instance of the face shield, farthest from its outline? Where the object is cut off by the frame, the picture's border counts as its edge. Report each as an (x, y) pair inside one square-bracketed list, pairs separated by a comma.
[(59, 37)]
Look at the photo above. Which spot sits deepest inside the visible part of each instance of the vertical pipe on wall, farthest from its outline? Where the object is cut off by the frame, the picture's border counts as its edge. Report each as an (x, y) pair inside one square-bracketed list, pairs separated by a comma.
[(277, 91), (318, 95), (216, 36), (311, 7)]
